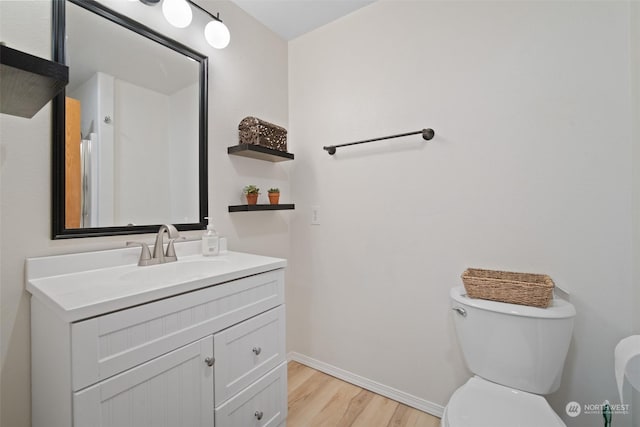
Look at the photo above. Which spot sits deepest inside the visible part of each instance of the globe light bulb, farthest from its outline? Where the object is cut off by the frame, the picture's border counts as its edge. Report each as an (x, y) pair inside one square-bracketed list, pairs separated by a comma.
[(217, 34), (177, 12)]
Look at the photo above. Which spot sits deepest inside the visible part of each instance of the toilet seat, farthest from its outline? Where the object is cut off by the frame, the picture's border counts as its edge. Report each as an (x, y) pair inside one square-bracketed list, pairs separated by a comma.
[(481, 403)]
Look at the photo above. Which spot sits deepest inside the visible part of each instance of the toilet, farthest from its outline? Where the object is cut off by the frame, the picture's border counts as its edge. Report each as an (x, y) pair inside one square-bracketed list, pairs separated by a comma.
[(517, 354)]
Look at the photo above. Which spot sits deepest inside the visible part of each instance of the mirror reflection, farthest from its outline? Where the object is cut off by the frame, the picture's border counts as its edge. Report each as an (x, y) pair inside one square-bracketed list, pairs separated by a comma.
[(133, 127)]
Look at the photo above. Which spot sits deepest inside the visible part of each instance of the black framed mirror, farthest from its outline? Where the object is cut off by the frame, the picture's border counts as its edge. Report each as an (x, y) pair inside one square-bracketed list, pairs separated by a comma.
[(130, 129)]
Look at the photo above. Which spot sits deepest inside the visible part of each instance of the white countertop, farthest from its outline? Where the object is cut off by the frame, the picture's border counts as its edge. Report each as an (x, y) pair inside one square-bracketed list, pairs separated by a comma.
[(84, 285)]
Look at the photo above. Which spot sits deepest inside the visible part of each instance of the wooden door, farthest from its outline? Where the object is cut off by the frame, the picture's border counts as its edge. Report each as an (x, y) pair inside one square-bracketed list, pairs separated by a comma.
[(175, 389), (73, 181)]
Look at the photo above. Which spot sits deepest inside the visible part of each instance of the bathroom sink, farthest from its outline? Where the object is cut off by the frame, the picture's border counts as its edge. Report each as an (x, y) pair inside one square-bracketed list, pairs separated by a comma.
[(181, 270)]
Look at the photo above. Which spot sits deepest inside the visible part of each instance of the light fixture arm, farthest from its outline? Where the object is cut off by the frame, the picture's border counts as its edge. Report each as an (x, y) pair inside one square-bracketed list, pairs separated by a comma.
[(154, 2), (216, 17)]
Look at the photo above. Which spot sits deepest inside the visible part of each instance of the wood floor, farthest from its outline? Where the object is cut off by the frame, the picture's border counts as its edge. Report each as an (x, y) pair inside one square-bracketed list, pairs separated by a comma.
[(317, 399)]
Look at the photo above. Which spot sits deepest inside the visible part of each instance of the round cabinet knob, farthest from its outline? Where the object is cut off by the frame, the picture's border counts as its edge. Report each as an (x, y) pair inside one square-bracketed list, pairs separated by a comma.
[(210, 361), (258, 415), (257, 350)]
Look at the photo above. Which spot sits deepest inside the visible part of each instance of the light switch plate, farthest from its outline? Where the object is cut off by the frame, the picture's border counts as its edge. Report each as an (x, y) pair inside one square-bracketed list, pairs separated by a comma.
[(315, 215)]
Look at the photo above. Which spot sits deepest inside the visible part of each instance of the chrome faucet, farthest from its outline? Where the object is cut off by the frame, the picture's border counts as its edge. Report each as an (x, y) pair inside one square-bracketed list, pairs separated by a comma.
[(159, 254), (158, 248)]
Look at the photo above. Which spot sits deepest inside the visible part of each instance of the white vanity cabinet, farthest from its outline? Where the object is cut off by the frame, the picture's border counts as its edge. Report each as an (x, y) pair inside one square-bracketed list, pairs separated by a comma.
[(210, 356)]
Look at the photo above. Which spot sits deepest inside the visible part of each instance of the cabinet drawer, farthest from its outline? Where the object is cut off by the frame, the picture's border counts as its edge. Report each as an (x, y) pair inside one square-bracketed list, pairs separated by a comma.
[(247, 351), (106, 345), (262, 404)]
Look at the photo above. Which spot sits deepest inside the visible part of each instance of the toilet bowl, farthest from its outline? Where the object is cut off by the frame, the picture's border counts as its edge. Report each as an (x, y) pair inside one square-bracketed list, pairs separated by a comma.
[(481, 403), (517, 354)]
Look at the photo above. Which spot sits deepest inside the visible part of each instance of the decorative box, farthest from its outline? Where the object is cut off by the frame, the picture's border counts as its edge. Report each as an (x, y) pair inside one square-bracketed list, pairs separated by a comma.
[(255, 131)]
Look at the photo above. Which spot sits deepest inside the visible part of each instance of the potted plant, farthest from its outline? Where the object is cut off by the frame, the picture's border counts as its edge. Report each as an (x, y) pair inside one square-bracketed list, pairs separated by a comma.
[(274, 196), (251, 192)]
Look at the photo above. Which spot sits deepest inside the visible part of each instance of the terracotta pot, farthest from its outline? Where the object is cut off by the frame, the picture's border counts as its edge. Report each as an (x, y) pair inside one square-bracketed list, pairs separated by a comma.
[(274, 198), (252, 199)]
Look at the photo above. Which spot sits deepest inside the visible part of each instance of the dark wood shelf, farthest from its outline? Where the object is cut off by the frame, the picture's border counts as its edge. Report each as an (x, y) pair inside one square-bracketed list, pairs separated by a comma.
[(259, 152), (28, 82), (251, 208)]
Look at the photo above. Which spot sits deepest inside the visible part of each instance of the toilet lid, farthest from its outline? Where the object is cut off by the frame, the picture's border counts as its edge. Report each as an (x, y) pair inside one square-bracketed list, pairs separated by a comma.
[(482, 403)]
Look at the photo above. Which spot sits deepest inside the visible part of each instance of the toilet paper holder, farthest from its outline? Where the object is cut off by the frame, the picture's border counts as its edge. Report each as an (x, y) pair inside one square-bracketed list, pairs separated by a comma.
[(627, 363)]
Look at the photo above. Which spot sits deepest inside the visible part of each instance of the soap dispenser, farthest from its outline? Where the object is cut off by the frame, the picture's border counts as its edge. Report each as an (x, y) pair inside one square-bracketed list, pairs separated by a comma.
[(210, 240)]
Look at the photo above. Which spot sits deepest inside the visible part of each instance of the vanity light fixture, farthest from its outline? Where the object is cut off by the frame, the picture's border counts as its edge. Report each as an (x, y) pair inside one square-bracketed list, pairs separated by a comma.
[(178, 13)]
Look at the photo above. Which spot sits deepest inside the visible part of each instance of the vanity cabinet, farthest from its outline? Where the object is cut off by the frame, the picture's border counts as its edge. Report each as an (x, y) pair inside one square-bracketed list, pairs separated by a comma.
[(213, 356)]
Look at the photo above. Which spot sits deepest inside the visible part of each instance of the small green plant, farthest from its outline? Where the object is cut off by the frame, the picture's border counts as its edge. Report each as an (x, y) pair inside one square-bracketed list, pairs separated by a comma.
[(274, 190), (251, 189)]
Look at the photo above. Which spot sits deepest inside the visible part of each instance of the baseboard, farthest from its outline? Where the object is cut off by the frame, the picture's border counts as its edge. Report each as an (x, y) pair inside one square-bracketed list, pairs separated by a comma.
[(366, 383)]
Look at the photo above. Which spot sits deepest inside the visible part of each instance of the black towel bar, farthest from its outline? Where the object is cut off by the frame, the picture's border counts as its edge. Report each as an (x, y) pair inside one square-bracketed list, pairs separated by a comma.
[(427, 134)]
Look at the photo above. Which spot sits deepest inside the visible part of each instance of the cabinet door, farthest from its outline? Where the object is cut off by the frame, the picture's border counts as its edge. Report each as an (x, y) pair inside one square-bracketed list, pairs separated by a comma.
[(175, 389)]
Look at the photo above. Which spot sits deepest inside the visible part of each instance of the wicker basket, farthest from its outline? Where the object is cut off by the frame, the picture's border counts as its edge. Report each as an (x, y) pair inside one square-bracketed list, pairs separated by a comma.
[(254, 131), (516, 288)]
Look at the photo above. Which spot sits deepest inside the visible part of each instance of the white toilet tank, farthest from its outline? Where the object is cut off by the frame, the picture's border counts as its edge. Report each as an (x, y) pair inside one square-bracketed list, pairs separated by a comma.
[(514, 345)]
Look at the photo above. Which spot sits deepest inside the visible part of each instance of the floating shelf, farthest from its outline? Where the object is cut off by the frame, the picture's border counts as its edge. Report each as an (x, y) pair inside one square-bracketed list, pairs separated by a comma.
[(28, 82), (248, 208), (259, 152)]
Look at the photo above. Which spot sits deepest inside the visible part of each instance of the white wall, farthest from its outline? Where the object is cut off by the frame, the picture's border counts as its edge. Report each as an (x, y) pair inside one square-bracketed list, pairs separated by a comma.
[(24, 170), (247, 78), (165, 171), (141, 155), (87, 94), (634, 49), (183, 176), (530, 170), (106, 150)]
